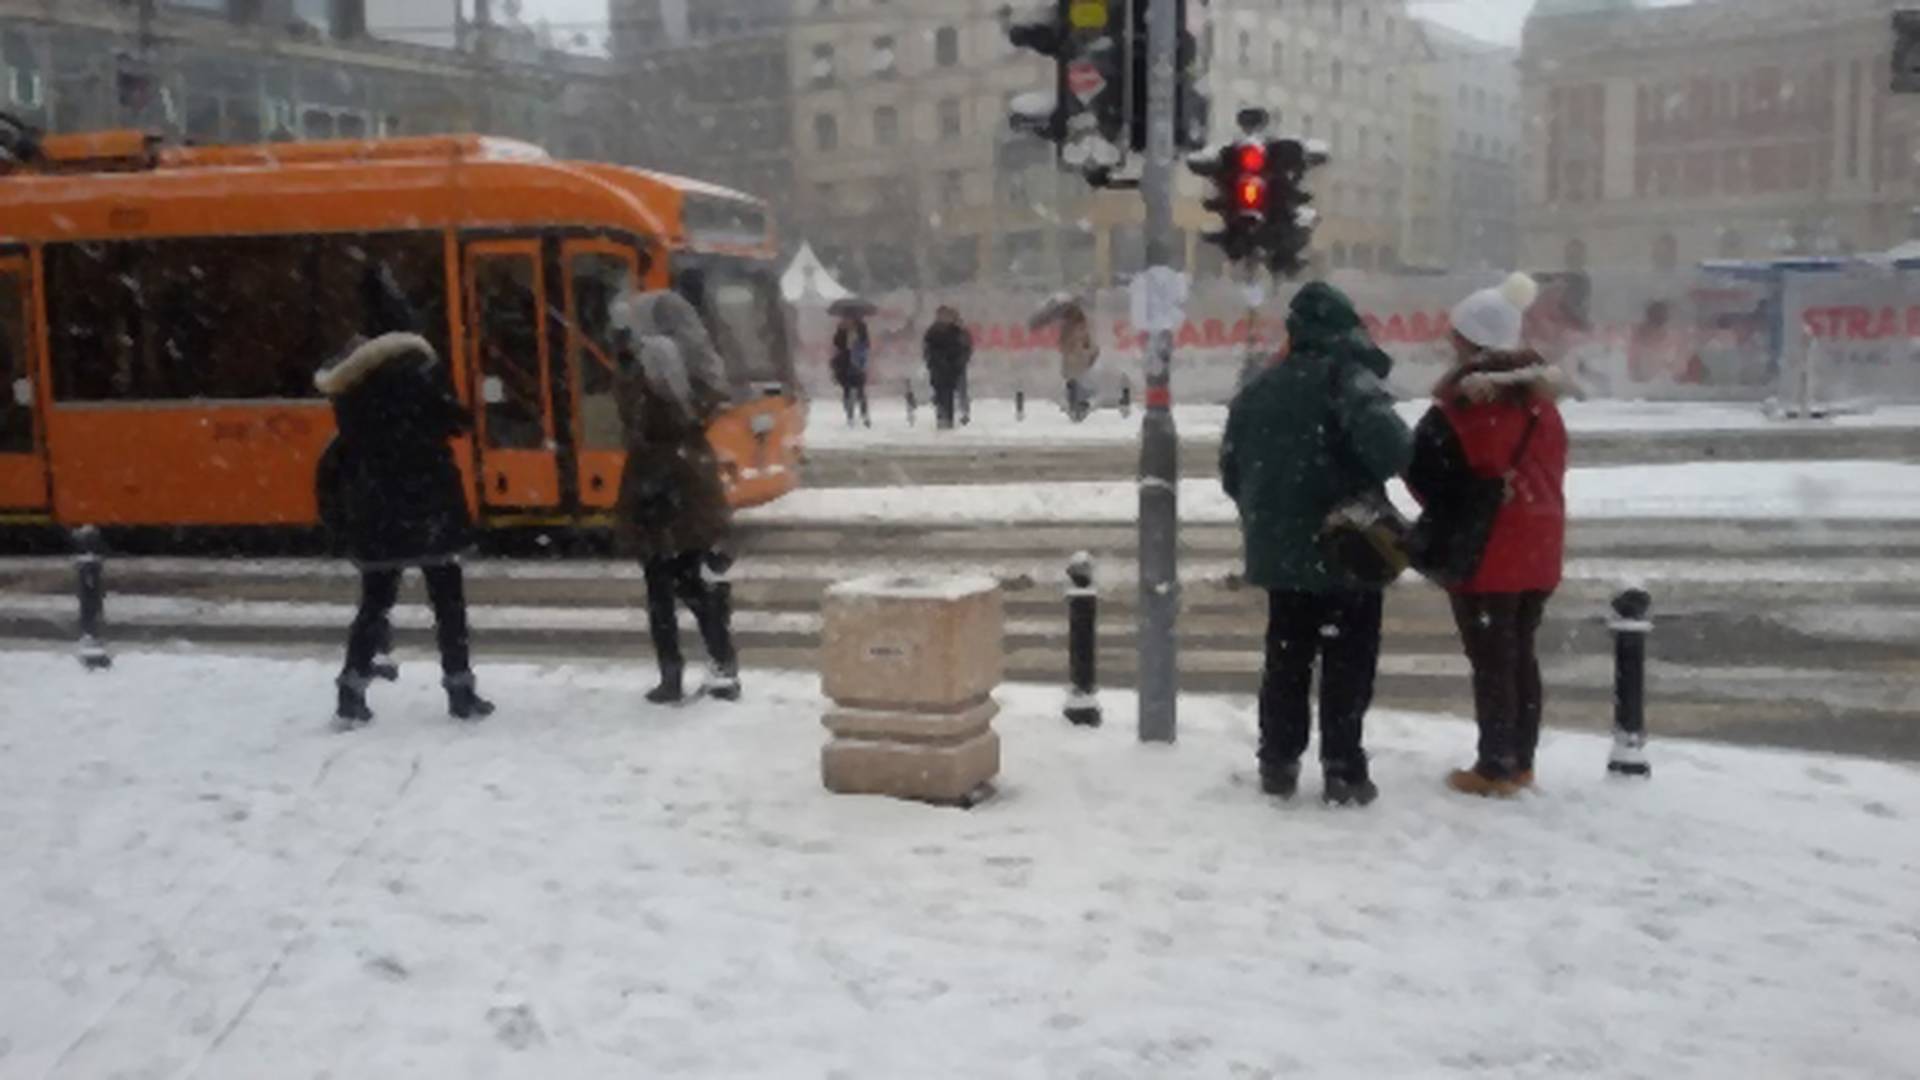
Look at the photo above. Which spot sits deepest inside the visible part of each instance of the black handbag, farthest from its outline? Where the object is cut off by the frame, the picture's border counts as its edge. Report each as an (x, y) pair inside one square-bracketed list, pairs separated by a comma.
[(1449, 541)]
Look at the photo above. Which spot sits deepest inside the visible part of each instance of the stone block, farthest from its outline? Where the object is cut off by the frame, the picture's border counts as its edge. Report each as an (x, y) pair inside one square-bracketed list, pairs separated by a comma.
[(931, 728), (953, 774), (903, 642)]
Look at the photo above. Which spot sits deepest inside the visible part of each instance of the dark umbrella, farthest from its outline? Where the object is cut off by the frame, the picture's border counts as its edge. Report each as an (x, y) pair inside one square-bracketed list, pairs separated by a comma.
[(852, 307)]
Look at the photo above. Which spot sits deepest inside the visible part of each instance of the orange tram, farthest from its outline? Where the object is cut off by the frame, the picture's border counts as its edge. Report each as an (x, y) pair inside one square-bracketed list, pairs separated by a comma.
[(163, 310)]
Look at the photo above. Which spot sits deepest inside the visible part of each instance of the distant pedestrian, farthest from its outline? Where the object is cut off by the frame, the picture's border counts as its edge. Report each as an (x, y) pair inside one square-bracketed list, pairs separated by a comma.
[(947, 349), (672, 513), (393, 494), (852, 350), (1306, 436), (1078, 355), (1489, 467)]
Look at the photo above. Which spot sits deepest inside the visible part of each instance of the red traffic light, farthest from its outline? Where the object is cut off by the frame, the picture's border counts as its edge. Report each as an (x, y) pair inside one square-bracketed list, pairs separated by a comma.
[(1253, 159), (1250, 194)]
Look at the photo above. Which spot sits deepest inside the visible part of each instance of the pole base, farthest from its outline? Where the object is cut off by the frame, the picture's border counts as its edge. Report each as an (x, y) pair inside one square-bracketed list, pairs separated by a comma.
[(1629, 757)]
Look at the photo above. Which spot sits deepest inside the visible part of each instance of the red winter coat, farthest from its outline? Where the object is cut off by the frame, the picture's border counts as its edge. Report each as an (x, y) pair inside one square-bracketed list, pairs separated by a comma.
[(1479, 418)]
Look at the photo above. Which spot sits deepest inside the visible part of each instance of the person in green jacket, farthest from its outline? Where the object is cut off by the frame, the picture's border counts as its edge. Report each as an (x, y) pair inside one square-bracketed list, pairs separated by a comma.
[(1303, 437)]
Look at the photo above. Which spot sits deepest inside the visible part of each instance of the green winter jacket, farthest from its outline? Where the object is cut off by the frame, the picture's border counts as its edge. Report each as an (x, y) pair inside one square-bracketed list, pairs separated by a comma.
[(1278, 461)]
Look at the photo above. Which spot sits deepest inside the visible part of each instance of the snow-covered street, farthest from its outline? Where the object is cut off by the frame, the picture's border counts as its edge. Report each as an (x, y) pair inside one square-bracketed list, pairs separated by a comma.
[(203, 882)]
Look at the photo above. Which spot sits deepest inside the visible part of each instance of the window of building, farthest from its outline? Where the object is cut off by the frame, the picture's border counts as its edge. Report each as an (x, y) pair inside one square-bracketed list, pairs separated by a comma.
[(826, 132), (226, 318), (886, 126), (1335, 73), (1279, 59), (949, 118), (884, 62), (956, 261), (1243, 50), (28, 90), (946, 46), (1308, 66), (953, 188), (822, 71)]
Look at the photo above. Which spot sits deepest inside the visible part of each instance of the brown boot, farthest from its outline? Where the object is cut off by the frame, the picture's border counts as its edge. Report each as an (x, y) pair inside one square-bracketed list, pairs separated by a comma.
[(1524, 778), (1473, 782)]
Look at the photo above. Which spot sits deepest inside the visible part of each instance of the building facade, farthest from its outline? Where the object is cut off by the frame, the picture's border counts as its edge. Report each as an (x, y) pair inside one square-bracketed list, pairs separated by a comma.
[(1343, 72), (1723, 128), (252, 70), (708, 92), (1476, 86)]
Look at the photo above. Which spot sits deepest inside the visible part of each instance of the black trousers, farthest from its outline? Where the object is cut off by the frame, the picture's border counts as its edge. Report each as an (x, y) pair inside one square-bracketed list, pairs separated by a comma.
[(945, 399), (854, 396), (698, 580), (1342, 629), (1498, 631), (372, 633)]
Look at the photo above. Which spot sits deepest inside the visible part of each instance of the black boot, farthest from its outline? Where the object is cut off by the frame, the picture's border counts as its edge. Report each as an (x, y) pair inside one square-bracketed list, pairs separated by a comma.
[(351, 712), (1281, 780), (723, 683), (670, 691), (463, 698), (1351, 787)]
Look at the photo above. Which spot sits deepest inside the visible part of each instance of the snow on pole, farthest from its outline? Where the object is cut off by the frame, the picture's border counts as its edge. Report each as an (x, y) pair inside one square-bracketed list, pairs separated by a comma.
[(1631, 627), (89, 565), (1083, 600)]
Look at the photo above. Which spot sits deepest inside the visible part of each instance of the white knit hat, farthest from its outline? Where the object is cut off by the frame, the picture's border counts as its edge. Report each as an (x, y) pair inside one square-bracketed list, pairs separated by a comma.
[(1491, 318)]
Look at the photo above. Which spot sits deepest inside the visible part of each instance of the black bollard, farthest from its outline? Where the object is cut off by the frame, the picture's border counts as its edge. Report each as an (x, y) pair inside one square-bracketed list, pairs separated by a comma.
[(1631, 627), (1126, 399), (90, 572), (1019, 404), (910, 403), (1083, 608)]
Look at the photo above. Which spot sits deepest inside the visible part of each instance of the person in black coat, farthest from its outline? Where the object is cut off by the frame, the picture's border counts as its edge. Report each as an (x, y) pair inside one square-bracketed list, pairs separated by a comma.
[(948, 349), (391, 492), (852, 349)]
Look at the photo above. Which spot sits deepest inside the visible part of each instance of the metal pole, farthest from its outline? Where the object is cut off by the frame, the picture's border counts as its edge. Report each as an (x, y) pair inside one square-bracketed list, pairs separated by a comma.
[(1083, 640), (1631, 627), (90, 583), (1159, 676)]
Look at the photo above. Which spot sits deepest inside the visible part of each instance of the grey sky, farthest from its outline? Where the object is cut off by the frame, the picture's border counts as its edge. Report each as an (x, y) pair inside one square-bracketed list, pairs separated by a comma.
[(1495, 20)]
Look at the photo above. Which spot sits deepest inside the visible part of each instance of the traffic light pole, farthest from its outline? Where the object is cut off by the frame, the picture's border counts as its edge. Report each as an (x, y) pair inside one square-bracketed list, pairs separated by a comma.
[(1158, 675)]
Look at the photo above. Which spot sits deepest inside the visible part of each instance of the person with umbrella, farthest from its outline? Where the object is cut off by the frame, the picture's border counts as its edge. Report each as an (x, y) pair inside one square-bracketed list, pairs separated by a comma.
[(852, 349), (1078, 353)]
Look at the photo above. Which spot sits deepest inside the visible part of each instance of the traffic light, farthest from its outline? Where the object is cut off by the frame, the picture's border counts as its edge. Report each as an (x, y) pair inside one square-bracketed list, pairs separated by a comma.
[(1241, 197), (1288, 229), (1084, 115)]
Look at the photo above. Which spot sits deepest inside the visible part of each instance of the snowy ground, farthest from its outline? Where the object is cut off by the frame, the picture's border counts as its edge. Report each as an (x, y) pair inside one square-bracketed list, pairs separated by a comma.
[(202, 882), (994, 423), (1732, 491)]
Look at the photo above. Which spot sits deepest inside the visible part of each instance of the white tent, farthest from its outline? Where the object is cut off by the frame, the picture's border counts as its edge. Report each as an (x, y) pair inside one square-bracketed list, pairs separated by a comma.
[(808, 281)]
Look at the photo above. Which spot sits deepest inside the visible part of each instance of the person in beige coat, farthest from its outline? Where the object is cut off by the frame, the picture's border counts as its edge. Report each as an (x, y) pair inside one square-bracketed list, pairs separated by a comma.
[(1078, 354)]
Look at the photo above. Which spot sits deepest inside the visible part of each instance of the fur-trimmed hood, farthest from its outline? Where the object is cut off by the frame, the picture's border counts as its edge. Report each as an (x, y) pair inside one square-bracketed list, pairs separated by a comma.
[(337, 378), (1516, 376)]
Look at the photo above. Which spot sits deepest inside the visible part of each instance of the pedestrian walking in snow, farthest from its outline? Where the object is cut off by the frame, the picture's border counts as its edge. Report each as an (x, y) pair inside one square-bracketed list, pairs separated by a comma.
[(1078, 355), (947, 349), (672, 513), (393, 493), (1306, 436), (852, 348), (1489, 467)]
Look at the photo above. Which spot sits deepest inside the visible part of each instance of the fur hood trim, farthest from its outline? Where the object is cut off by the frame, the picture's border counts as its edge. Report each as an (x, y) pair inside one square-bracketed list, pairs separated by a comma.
[(338, 378), (1512, 376)]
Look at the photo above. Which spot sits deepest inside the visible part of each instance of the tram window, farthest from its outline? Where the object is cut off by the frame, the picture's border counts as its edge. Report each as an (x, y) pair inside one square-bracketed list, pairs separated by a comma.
[(225, 319), (509, 334), (16, 418), (596, 279)]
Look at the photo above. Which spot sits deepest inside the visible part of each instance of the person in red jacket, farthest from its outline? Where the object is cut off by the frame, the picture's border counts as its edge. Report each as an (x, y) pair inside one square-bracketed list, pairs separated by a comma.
[(1494, 417)]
